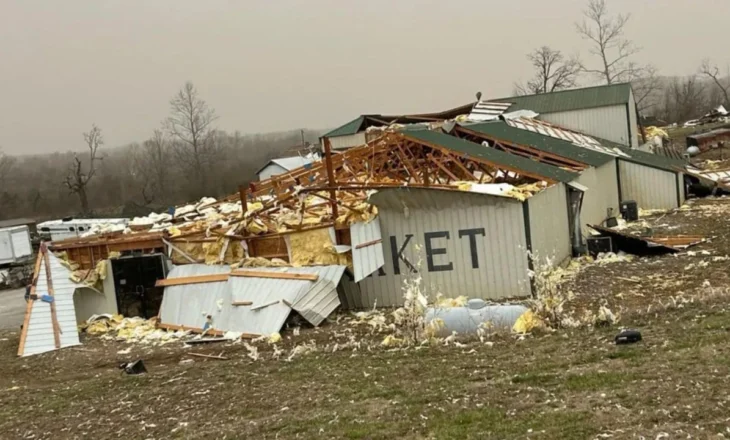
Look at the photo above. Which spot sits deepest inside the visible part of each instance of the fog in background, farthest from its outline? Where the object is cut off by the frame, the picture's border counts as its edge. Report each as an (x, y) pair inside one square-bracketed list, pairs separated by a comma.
[(284, 64)]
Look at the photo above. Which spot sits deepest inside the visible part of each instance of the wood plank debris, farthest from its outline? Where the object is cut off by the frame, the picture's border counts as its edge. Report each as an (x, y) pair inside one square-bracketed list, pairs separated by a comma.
[(192, 280), (277, 275), (208, 356)]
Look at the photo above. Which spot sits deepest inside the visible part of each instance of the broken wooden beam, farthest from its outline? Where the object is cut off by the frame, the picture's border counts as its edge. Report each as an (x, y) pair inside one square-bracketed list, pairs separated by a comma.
[(242, 303), (277, 275), (369, 243), (182, 281)]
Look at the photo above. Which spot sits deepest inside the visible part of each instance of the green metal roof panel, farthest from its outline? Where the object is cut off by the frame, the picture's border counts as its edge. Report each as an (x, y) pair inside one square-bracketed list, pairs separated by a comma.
[(492, 155), (500, 130), (653, 160), (567, 100), (351, 127), (645, 158)]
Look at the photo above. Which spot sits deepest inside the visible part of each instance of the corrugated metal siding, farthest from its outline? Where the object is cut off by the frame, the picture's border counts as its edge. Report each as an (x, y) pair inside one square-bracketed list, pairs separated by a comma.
[(349, 141), (649, 187), (271, 169), (368, 259), (501, 260), (321, 299), (549, 228), (21, 242), (604, 122), (189, 304), (602, 194), (39, 337), (633, 121), (680, 182)]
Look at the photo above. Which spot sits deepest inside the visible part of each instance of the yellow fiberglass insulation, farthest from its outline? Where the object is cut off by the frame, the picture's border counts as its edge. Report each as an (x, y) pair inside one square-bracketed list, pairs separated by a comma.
[(312, 248)]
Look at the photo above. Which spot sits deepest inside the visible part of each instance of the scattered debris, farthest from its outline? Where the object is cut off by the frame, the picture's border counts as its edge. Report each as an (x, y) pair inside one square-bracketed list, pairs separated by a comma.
[(208, 356), (133, 368), (628, 337)]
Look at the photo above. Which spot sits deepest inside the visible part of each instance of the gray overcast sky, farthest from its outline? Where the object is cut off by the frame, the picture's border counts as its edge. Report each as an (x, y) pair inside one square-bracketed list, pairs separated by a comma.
[(284, 64)]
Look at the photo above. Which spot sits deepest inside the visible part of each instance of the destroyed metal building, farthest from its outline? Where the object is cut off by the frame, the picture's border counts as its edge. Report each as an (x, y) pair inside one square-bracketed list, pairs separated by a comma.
[(465, 200)]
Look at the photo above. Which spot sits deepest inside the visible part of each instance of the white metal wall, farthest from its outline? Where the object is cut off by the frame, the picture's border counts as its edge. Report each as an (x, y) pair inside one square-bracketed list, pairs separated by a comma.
[(651, 188), (463, 261), (602, 194), (349, 141), (608, 123), (271, 169), (549, 228), (39, 337)]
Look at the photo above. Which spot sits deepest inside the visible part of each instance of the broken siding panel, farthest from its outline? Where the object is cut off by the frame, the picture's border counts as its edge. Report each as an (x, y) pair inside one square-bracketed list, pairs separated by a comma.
[(367, 259), (602, 194), (649, 187), (39, 336), (497, 269), (549, 228), (610, 123), (189, 304), (321, 299), (313, 300)]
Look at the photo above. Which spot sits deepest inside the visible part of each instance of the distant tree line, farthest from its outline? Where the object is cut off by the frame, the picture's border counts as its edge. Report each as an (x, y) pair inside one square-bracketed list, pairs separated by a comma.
[(612, 59), (186, 158)]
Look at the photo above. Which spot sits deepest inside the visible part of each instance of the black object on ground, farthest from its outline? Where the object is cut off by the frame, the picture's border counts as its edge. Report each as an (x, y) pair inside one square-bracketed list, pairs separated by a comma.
[(628, 337), (136, 367)]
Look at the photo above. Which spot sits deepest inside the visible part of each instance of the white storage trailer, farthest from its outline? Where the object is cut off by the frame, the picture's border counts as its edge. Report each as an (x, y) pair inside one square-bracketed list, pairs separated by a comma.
[(15, 246)]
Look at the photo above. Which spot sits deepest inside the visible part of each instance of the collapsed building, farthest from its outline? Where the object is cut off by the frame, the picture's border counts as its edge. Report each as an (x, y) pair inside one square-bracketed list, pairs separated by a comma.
[(465, 199)]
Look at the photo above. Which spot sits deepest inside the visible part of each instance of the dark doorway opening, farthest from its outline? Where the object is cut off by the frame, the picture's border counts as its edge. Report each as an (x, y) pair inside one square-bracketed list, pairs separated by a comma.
[(134, 282)]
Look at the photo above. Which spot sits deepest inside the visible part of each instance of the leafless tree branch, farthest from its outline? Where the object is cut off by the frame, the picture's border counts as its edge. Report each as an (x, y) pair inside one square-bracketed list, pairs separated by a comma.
[(77, 179), (553, 72), (713, 72)]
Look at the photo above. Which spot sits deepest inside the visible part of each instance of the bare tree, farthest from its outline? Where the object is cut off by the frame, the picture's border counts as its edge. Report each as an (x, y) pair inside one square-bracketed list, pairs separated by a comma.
[(606, 35), (685, 99), (78, 179), (713, 72), (191, 126), (151, 163), (647, 86), (6, 163), (553, 72)]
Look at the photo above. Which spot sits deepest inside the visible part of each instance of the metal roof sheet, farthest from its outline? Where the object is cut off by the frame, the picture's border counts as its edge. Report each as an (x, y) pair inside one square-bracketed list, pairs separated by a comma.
[(368, 258), (499, 158), (521, 135), (349, 128), (576, 99), (488, 111)]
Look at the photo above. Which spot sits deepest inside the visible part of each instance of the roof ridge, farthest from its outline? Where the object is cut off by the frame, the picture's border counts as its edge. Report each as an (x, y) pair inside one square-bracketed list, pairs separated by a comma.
[(599, 86)]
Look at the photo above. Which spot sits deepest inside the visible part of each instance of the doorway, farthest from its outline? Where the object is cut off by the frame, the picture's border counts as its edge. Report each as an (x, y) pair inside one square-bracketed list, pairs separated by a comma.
[(134, 283)]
